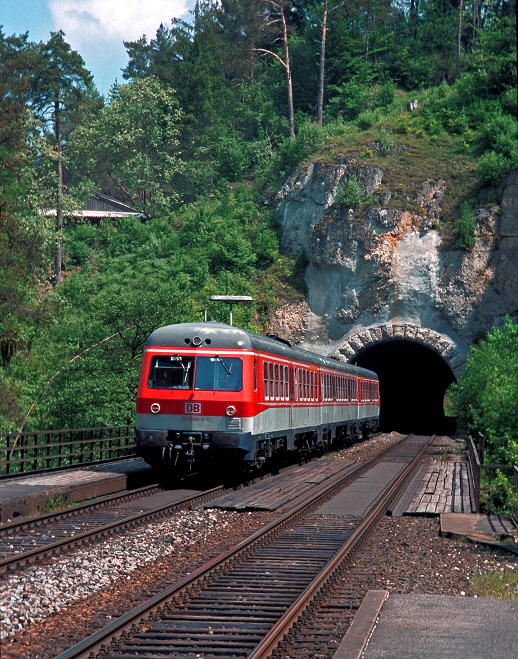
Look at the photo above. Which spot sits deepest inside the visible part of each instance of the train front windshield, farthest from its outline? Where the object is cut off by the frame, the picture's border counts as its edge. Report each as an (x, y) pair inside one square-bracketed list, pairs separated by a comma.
[(201, 373)]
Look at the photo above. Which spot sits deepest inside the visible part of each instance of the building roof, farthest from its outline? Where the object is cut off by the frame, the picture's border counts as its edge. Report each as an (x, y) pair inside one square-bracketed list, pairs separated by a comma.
[(99, 206)]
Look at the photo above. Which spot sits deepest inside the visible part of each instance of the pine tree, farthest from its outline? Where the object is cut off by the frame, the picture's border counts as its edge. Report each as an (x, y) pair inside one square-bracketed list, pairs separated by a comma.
[(62, 81)]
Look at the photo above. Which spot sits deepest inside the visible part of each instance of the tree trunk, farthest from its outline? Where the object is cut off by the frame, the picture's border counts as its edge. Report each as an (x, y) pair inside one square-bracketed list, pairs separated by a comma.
[(459, 35), (320, 99), (59, 203), (287, 64), (367, 31), (474, 25)]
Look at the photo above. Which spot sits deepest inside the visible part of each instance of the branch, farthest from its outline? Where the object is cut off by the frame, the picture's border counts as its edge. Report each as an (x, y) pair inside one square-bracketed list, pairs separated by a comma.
[(50, 382), (269, 52)]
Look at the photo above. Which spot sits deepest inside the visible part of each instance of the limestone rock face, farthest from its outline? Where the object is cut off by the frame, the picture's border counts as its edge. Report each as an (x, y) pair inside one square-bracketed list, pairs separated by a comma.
[(389, 269)]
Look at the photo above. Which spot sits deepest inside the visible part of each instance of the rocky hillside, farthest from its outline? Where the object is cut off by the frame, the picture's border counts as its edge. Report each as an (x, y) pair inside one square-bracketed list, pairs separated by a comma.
[(393, 264)]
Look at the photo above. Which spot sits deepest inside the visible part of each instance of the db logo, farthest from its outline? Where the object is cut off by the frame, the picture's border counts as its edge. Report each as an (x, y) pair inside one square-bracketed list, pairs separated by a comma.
[(192, 408)]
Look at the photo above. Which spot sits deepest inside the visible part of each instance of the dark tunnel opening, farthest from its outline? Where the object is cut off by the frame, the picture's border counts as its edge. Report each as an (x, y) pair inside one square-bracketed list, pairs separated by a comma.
[(413, 381)]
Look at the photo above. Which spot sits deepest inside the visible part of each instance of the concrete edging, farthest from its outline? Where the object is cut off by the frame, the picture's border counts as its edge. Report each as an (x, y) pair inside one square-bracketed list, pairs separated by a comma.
[(360, 630)]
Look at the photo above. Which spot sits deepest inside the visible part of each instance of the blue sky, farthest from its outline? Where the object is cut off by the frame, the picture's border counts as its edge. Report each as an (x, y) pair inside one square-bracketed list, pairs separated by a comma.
[(95, 28)]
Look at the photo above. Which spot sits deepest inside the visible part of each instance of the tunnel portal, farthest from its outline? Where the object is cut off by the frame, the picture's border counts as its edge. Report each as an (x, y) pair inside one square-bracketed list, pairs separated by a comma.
[(413, 381)]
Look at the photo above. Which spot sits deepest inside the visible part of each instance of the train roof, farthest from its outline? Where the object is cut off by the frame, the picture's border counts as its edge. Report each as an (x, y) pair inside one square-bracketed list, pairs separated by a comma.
[(227, 337)]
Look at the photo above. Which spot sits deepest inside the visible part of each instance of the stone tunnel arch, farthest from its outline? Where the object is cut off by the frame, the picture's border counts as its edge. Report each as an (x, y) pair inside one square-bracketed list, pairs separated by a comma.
[(415, 366)]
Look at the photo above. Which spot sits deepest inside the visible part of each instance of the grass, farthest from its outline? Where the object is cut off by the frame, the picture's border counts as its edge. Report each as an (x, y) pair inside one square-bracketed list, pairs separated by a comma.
[(496, 585), (421, 159), (58, 502)]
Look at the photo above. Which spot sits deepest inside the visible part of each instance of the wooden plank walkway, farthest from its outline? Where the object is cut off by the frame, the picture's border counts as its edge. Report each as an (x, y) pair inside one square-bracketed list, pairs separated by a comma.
[(443, 489), (277, 491)]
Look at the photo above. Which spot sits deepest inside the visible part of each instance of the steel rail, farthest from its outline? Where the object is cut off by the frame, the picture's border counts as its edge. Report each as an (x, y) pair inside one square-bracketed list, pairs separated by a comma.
[(139, 518), (99, 502), (120, 628)]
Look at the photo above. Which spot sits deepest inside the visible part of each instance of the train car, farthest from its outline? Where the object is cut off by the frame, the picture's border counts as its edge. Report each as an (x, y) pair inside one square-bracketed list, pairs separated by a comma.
[(214, 392)]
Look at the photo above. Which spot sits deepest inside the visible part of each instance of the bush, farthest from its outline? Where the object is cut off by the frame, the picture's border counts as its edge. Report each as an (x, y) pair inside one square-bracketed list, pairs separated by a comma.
[(492, 167), (466, 226), (368, 119), (486, 399), (350, 192), (386, 141), (310, 138)]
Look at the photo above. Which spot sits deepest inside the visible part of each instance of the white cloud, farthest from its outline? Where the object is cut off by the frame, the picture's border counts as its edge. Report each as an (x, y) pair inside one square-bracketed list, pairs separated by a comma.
[(122, 20), (97, 29)]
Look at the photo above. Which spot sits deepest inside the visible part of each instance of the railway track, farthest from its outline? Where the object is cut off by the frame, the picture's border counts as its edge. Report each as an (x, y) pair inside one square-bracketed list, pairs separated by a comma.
[(46, 535), (249, 601), (41, 537)]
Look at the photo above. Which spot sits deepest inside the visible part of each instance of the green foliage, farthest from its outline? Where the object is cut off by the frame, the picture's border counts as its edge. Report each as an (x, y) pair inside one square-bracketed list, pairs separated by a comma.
[(486, 399), (309, 139), (466, 226), (496, 583), (24, 234), (356, 97), (350, 192), (386, 141), (368, 118), (492, 167), (130, 278), (133, 143)]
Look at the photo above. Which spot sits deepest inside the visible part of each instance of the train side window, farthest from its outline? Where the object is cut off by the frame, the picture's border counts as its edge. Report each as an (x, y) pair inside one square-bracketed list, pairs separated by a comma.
[(270, 370), (255, 374), (276, 381), (265, 380), (286, 384)]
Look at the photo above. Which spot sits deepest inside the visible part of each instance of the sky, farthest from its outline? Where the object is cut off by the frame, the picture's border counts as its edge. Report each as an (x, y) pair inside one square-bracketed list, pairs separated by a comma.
[(96, 29)]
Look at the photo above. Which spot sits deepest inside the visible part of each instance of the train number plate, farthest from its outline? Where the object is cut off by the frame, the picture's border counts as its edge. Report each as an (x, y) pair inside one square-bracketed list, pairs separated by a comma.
[(192, 408)]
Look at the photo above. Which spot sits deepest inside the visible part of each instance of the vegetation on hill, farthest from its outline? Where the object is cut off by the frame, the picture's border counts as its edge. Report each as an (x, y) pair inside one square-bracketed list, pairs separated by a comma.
[(197, 139)]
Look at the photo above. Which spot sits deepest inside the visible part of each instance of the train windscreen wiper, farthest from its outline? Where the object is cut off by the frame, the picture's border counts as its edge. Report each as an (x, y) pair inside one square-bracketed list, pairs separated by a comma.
[(227, 369)]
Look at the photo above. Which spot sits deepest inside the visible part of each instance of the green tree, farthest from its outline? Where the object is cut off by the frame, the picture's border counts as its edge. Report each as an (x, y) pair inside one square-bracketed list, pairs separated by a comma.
[(486, 395), (132, 145), (61, 82), (23, 236)]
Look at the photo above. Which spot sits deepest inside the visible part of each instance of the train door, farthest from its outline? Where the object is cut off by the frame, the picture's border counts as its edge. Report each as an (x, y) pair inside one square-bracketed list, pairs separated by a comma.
[(291, 396)]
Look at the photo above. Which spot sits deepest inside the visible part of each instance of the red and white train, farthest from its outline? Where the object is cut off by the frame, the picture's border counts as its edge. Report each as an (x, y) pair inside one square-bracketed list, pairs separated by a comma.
[(211, 391)]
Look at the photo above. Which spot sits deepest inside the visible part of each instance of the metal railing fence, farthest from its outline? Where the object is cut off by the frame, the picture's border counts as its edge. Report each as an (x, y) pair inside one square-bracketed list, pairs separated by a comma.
[(52, 450), (477, 467)]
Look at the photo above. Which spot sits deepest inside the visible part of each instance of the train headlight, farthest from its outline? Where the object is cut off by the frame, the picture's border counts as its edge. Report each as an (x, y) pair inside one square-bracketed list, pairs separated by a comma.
[(230, 411), (155, 408), (196, 341)]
